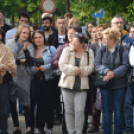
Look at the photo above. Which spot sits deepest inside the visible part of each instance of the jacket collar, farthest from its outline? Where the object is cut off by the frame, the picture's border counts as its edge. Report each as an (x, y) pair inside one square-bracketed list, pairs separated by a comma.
[(84, 46)]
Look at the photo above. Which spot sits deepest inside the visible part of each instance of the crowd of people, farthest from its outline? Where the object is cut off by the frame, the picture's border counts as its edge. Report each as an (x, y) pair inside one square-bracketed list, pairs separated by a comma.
[(91, 74)]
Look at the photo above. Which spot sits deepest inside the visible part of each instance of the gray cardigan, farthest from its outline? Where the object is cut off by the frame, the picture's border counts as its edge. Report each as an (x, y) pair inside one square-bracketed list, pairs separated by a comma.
[(23, 73), (104, 62)]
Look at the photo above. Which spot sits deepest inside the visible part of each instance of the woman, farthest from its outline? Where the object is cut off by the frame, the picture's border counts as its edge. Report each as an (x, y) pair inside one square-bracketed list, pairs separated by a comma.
[(33, 28), (75, 69), (93, 36), (95, 112), (73, 21), (71, 32), (7, 72), (100, 28), (89, 26), (112, 61), (42, 82), (23, 74)]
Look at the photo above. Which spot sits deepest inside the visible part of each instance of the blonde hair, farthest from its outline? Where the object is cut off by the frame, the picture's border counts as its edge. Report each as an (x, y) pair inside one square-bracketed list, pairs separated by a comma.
[(19, 30), (104, 26), (112, 33), (71, 21)]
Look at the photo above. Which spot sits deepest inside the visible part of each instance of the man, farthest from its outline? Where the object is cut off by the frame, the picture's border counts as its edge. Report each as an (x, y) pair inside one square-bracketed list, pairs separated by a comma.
[(126, 41), (23, 19), (131, 32), (3, 26), (60, 38), (46, 15)]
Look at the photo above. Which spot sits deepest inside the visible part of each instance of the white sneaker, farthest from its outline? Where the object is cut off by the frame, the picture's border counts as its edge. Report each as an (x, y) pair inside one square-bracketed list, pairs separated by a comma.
[(49, 131)]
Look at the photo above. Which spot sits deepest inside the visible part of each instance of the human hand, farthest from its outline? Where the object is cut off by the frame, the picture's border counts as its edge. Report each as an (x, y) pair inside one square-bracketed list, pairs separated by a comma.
[(79, 71), (42, 68), (1, 67), (108, 77), (36, 68), (110, 73), (22, 60), (25, 45)]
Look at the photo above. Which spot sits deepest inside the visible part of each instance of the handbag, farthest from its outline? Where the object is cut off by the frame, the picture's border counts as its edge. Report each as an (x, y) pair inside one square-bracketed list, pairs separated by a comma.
[(13, 91), (98, 78), (55, 72), (98, 81)]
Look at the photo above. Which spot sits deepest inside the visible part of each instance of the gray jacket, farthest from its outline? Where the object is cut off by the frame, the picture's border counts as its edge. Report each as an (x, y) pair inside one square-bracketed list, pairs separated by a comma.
[(104, 62)]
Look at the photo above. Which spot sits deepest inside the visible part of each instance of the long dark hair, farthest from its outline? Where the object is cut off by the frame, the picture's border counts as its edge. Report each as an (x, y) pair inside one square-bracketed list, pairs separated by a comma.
[(2, 33), (94, 25), (42, 33)]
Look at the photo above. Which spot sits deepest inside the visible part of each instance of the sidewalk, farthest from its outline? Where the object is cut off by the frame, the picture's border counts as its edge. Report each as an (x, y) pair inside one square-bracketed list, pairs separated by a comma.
[(57, 128)]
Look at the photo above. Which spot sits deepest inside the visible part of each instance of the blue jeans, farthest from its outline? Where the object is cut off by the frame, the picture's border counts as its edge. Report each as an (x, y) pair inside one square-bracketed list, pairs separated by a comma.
[(113, 100), (128, 109)]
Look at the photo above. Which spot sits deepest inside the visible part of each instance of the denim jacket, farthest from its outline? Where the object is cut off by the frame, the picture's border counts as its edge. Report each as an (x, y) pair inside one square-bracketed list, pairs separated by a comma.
[(47, 55)]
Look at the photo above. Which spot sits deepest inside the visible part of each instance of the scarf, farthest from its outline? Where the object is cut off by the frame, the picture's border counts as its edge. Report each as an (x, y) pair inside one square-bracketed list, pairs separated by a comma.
[(7, 58)]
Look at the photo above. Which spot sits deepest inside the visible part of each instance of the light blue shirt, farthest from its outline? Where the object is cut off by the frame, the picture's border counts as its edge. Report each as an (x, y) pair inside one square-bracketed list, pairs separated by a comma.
[(47, 54)]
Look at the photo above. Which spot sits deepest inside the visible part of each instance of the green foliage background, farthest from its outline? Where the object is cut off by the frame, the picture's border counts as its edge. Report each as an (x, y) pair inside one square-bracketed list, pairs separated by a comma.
[(81, 9)]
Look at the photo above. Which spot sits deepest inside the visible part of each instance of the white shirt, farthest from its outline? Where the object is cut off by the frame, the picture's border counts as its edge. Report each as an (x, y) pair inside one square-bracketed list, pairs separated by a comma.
[(61, 39), (131, 56), (10, 34)]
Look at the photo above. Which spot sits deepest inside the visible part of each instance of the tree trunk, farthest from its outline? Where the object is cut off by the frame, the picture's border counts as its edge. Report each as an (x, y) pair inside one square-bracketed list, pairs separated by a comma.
[(13, 20), (68, 6)]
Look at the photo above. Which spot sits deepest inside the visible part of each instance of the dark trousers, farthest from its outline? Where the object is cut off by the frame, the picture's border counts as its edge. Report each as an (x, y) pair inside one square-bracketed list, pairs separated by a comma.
[(44, 97), (4, 98), (14, 114), (113, 100), (33, 104), (57, 103)]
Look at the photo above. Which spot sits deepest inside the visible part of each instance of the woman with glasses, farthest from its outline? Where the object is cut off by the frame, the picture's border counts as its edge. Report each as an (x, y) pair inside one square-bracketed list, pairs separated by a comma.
[(23, 74), (76, 63)]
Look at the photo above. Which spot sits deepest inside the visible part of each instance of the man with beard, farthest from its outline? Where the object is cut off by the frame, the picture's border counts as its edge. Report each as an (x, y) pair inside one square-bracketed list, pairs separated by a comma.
[(53, 36), (48, 31)]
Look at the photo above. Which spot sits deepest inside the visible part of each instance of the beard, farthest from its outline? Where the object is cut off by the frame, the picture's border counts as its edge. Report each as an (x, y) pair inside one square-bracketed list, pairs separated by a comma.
[(47, 28)]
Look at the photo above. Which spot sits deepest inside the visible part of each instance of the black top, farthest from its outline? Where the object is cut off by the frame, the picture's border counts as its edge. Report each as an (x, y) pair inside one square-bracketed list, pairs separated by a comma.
[(77, 83), (53, 39), (38, 62), (6, 27)]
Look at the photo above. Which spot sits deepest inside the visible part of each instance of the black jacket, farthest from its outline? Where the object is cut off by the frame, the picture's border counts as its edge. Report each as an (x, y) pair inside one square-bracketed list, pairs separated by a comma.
[(53, 39)]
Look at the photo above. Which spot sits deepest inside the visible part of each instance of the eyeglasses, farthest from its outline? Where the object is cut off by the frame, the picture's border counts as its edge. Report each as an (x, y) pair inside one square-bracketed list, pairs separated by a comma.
[(119, 22), (131, 31), (78, 34), (70, 34)]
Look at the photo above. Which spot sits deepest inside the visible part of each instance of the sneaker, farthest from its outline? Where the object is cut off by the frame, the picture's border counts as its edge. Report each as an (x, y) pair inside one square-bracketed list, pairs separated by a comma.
[(17, 131), (42, 131), (93, 129), (50, 131), (29, 132)]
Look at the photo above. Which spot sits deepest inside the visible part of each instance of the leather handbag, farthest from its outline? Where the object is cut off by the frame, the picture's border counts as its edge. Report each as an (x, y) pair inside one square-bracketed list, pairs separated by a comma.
[(98, 81)]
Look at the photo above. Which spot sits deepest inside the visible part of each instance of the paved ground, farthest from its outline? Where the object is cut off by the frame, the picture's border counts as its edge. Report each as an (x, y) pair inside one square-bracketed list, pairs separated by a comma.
[(57, 128)]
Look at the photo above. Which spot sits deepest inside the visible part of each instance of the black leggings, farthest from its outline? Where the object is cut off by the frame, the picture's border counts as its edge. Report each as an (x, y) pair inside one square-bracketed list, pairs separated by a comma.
[(14, 114), (44, 97)]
